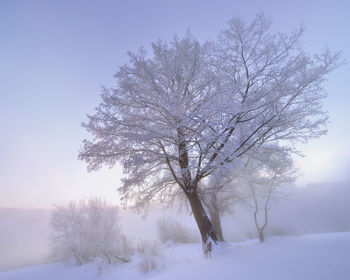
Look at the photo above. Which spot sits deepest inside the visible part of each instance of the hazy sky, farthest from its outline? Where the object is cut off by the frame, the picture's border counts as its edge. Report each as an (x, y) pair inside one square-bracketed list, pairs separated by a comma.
[(55, 55)]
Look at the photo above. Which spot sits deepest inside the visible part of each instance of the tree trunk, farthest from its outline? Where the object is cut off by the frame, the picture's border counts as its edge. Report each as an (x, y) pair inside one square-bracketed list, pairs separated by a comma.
[(202, 220), (260, 229), (215, 220), (205, 226), (261, 236), (214, 214)]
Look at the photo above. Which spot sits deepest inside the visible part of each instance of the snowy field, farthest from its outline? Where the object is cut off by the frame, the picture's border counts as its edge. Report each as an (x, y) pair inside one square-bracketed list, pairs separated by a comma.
[(316, 256)]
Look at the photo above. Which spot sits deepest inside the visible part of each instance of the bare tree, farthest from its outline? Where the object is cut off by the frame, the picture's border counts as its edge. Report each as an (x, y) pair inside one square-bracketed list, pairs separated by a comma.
[(176, 117), (266, 174)]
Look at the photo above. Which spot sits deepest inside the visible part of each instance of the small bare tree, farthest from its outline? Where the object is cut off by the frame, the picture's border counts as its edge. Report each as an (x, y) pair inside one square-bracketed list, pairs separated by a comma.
[(266, 174)]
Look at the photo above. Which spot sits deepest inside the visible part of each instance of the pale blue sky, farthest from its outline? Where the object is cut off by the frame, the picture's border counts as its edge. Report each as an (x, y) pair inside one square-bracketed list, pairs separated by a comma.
[(55, 55)]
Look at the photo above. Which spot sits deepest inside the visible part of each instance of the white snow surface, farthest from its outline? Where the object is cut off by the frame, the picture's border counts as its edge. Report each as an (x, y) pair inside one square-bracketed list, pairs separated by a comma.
[(315, 256)]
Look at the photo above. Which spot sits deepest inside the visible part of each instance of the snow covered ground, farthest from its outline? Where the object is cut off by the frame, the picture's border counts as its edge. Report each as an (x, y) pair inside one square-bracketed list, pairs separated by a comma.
[(316, 256)]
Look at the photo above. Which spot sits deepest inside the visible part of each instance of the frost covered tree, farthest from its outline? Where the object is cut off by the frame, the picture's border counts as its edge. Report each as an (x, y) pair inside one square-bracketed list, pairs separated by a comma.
[(185, 111), (158, 122)]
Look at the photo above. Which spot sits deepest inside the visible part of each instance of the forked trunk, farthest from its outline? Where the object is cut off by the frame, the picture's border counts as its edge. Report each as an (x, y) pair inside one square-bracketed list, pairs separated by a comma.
[(212, 204), (216, 222), (260, 229), (205, 226)]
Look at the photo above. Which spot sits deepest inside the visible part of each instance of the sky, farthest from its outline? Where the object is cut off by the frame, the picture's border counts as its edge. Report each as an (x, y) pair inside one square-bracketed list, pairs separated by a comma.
[(56, 55)]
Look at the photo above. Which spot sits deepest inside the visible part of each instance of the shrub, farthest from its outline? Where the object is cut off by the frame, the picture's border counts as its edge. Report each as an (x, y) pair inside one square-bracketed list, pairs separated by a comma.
[(87, 231)]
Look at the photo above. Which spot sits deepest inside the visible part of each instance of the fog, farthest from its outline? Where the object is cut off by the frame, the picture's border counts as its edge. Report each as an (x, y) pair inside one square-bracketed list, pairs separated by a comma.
[(23, 237), (315, 208)]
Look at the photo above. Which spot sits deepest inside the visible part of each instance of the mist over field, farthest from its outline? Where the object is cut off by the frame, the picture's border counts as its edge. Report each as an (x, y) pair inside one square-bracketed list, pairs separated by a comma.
[(315, 208), (23, 237)]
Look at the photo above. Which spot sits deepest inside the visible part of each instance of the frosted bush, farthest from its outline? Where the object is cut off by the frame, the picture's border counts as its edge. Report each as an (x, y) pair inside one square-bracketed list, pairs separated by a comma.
[(88, 231)]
